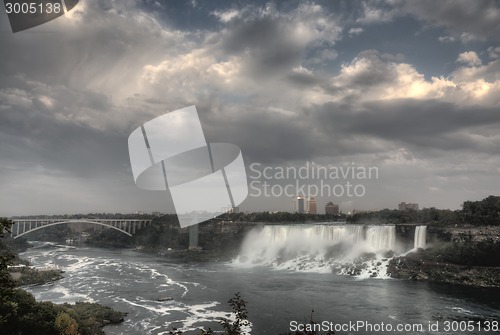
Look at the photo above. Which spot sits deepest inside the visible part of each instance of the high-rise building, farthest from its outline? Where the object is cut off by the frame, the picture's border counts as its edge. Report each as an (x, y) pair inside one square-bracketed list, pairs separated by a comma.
[(301, 204), (312, 206), (230, 209), (331, 208), (407, 206)]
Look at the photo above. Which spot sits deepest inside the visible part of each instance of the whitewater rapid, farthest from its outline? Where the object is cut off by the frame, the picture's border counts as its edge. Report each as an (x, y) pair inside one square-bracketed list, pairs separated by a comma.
[(128, 282)]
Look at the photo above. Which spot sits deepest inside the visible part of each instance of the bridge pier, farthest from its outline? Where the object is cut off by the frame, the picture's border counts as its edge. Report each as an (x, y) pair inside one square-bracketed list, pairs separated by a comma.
[(193, 236)]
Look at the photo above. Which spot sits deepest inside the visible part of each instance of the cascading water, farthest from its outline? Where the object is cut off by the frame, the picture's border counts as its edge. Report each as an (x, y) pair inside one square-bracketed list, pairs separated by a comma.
[(318, 248), (381, 237), (420, 237), (280, 242)]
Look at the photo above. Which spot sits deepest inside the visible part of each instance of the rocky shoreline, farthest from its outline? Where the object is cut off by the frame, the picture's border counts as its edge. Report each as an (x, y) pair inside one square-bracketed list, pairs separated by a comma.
[(193, 255), (419, 266), (27, 275)]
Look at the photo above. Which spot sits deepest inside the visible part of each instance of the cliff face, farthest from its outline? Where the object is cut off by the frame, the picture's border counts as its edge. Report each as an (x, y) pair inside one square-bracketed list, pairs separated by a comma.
[(419, 266), (223, 235), (465, 255), (460, 234), (219, 240)]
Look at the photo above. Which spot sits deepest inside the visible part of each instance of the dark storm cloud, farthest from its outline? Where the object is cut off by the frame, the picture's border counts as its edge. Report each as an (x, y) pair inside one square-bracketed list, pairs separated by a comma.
[(37, 134), (466, 20), (267, 42), (422, 124), (480, 18), (267, 136), (337, 129), (96, 49), (274, 40), (304, 79)]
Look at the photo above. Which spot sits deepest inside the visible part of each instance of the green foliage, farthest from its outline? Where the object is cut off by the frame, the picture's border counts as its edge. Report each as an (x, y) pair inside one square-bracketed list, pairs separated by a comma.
[(279, 217), (484, 212), (482, 253), (240, 310), (5, 225), (426, 215), (6, 283), (91, 317), (66, 325), (32, 276), (20, 313), (27, 316), (17, 245), (110, 238), (163, 233), (56, 233)]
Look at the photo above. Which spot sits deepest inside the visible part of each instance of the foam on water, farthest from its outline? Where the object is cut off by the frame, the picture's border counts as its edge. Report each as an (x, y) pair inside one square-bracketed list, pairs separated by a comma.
[(358, 250), (60, 295), (168, 281), (89, 277), (189, 317), (375, 269)]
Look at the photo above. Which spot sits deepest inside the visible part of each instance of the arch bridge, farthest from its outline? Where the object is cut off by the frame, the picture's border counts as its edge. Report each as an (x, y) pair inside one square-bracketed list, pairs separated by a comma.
[(127, 226)]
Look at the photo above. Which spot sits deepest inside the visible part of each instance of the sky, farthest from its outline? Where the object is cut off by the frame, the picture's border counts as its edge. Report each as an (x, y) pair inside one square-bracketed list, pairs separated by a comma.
[(411, 88)]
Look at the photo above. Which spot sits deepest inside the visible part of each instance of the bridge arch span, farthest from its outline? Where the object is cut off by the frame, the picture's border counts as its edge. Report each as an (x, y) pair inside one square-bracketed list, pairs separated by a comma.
[(72, 221)]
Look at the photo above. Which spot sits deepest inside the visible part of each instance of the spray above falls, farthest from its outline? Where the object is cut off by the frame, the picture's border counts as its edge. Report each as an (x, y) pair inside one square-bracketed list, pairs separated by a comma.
[(321, 247)]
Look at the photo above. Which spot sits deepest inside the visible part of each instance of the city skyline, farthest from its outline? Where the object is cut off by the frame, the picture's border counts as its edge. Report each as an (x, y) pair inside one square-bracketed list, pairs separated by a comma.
[(408, 88)]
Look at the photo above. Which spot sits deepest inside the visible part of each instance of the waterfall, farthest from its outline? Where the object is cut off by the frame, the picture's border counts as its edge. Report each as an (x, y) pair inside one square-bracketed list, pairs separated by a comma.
[(420, 237), (316, 248), (381, 237), (278, 241)]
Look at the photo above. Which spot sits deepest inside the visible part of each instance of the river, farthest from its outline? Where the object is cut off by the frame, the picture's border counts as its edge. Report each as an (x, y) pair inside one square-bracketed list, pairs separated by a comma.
[(278, 299)]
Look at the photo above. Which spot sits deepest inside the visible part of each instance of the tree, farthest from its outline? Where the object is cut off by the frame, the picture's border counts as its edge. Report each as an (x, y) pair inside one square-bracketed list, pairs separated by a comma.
[(483, 212), (240, 310), (7, 307), (66, 325)]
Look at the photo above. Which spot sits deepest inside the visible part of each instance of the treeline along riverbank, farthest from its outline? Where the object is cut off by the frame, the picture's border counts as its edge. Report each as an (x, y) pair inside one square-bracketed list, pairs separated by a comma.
[(20, 313)]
